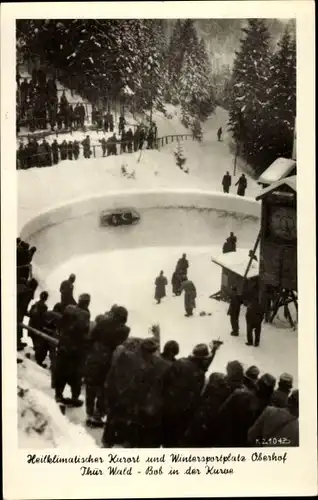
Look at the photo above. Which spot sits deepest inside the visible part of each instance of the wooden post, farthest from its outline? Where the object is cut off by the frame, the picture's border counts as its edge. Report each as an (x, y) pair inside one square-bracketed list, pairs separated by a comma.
[(94, 147), (251, 260)]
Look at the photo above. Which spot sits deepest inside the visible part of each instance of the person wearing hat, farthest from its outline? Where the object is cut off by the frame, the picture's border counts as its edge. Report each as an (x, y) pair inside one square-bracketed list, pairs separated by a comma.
[(183, 384), (160, 287), (109, 332), (281, 394), (251, 377), (170, 351), (67, 289), (239, 412), (277, 423), (74, 331)]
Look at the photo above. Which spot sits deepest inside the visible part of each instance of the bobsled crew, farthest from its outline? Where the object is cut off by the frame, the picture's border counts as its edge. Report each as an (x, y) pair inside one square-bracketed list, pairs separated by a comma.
[(121, 217)]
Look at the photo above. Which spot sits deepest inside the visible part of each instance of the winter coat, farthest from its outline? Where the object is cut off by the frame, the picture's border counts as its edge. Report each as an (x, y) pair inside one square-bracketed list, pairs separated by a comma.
[(227, 181), (279, 399), (275, 423), (183, 383), (237, 414), (241, 186), (190, 294), (235, 305), (202, 428), (160, 290), (182, 266), (134, 383), (103, 340), (74, 329), (66, 290), (254, 314), (37, 315), (176, 282)]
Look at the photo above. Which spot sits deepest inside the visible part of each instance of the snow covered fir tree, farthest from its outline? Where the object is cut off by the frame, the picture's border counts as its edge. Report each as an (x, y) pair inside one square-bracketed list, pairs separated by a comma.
[(134, 298)]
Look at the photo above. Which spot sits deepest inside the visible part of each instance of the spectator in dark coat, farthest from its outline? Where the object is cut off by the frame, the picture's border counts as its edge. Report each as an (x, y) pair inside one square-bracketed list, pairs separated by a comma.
[(280, 424), (111, 123), (254, 318), (241, 185), (234, 311), (121, 125), (226, 182), (219, 133), (182, 265), (251, 377), (190, 295), (55, 152), (70, 150), (202, 428), (176, 282), (183, 384), (160, 287), (74, 330), (63, 150), (241, 409), (66, 290), (281, 394), (129, 139), (170, 351), (76, 150), (109, 332), (86, 143), (134, 395), (37, 321), (104, 146)]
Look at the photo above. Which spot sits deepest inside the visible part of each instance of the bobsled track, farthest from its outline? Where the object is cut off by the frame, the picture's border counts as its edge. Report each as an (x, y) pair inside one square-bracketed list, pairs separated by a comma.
[(120, 264)]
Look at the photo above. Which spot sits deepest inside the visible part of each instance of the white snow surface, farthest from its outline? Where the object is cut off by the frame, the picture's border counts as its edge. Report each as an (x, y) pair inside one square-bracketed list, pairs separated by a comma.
[(119, 265), (41, 423)]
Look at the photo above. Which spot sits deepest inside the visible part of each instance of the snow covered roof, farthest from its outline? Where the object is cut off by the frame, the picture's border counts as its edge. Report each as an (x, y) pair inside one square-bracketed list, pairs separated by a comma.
[(289, 181), (279, 169), (237, 262)]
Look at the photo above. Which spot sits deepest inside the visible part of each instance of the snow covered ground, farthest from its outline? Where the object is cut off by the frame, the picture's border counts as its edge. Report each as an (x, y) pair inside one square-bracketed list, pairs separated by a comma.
[(122, 267)]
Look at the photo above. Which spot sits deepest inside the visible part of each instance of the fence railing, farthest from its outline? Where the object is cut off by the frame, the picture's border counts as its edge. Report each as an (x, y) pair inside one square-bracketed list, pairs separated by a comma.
[(96, 150)]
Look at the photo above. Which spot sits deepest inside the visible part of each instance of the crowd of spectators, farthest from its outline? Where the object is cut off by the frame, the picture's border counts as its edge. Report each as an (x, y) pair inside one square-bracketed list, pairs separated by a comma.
[(39, 106), (44, 154), (147, 398)]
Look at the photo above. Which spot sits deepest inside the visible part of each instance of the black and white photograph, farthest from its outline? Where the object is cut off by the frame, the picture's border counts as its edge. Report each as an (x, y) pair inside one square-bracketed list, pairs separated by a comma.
[(156, 237)]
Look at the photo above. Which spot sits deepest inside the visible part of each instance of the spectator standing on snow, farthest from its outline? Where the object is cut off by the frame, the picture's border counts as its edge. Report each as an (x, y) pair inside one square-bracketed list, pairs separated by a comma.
[(182, 265), (55, 152), (104, 146), (160, 287), (86, 143), (74, 329), (241, 185), (219, 134), (190, 295), (66, 290), (37, 320), (76, 149), (226, 182), (254, 318), (234, 311)]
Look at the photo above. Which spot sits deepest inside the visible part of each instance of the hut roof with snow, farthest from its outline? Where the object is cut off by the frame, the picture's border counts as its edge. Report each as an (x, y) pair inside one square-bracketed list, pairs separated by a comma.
[(289, 182), (237, 262), (278, 170)]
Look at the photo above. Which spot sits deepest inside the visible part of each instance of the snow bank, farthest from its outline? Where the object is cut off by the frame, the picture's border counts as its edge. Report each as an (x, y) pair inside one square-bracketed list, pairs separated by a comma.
[(40, 421)]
